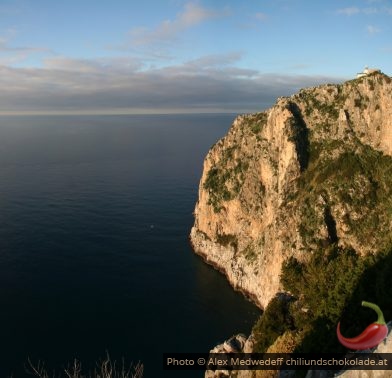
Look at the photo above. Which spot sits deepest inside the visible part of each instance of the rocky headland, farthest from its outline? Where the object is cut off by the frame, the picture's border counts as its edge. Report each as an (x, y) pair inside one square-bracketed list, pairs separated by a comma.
[(269, 188), (297, 200)]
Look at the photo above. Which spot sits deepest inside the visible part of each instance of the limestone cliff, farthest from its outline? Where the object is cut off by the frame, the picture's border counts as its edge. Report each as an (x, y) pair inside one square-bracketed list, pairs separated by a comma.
[(297, 177)]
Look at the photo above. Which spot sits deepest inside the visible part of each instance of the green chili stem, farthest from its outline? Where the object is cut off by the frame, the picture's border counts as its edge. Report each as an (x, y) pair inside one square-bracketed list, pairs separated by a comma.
[(373, 306)]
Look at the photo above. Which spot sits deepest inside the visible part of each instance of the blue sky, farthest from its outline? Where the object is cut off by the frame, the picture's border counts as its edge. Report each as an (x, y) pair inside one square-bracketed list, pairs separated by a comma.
[(182, 56)]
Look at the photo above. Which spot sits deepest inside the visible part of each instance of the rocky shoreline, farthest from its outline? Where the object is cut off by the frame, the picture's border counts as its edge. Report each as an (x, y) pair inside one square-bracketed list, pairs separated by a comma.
[(225, 269)]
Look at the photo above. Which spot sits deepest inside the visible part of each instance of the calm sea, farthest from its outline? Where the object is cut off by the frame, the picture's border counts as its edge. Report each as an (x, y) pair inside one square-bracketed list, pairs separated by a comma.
[(95, 213)]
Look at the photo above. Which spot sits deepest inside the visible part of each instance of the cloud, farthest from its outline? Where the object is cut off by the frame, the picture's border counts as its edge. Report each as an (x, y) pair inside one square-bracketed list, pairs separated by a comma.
[(10, 9), (123, 85), (215, 60), (192, 15), (10, 54), (260, 16), (97, 66), (372, 29), (253, 21), (299, 66), (6, 43), (349, 11), (372, 10)]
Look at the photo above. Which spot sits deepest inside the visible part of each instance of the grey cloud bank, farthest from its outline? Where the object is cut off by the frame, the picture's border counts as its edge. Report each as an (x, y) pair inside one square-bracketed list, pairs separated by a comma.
[(124, 86)]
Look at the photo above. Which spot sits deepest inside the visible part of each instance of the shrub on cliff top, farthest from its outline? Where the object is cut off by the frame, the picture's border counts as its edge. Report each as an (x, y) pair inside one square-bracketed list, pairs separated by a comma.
[(274, 322), (329, 288)]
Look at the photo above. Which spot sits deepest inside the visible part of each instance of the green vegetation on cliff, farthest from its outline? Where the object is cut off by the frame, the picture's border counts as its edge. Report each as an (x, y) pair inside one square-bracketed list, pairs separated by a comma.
[(226, 178), (357, 184), (344, 202), (327, 289), (224, 184)]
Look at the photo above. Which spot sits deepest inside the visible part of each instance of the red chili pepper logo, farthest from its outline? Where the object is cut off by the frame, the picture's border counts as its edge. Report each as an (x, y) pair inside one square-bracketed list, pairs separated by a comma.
[(371, 336)]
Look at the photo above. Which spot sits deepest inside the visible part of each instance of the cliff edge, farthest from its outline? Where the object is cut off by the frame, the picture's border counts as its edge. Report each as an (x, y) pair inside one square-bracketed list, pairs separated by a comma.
[(312, 171)]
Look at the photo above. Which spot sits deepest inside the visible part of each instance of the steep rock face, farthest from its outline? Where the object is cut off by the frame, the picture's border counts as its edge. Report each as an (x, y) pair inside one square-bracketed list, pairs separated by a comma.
[(306, 173)]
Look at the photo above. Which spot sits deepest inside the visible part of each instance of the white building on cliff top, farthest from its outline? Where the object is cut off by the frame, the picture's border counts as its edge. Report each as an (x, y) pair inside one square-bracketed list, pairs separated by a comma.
[(368, 71)]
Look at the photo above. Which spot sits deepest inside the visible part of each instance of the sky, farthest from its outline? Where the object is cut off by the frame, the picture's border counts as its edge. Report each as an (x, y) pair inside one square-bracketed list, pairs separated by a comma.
[(174, 56)]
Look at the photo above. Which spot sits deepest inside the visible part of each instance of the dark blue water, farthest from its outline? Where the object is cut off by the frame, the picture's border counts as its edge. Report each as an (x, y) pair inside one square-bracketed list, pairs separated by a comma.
[(95, 214)]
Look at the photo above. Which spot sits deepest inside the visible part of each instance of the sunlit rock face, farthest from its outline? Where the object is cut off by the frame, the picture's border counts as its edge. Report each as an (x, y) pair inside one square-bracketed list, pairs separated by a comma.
[(295, 178)]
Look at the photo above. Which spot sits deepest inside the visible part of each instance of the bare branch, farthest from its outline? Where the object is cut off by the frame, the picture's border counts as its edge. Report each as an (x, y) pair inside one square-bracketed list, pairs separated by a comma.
[(105, 369)]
